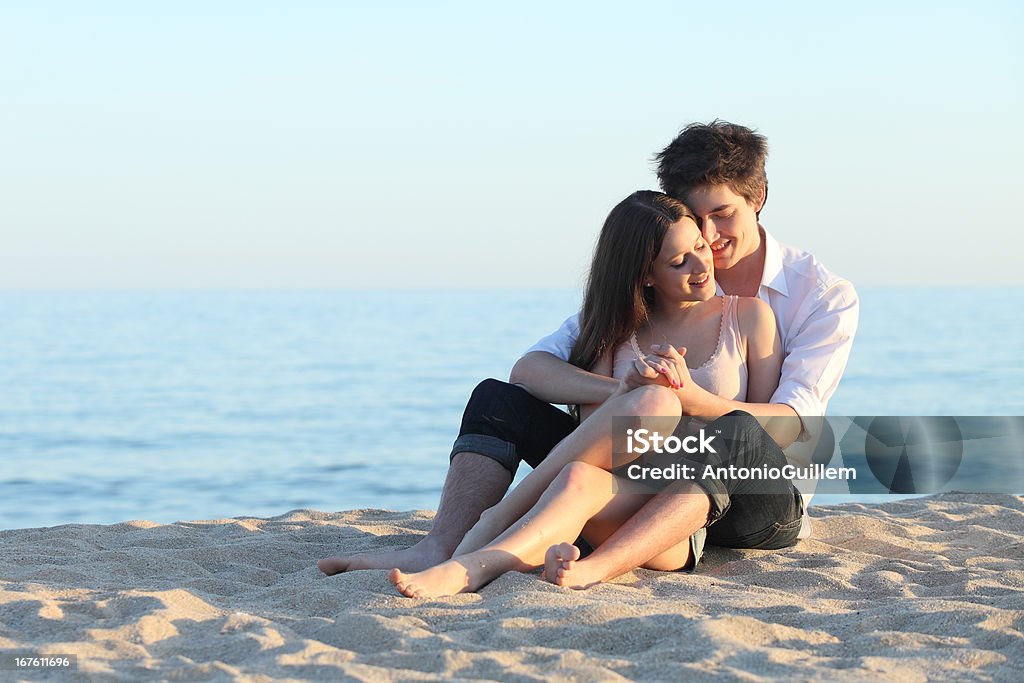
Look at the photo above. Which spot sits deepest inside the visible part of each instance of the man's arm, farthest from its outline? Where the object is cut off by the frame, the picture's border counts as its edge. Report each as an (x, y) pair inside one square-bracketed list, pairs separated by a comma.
[(818, 353), (553, 380), (545, 372), (778, 419)]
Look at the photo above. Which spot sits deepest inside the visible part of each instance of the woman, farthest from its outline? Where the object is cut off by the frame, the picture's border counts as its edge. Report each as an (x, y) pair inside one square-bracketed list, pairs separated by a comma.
[(651, 285)]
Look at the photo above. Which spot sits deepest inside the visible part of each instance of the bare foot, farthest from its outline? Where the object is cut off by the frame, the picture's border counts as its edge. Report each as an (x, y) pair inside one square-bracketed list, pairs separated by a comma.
[(558, 560), (562, 569), (420, 556), (447, 578)]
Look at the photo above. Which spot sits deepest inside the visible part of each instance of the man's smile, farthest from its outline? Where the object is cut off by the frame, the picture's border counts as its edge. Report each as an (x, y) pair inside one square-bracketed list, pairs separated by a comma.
[(720, 245)]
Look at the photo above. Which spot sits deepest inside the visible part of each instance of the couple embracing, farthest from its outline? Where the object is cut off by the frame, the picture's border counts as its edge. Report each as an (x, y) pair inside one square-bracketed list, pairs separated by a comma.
[(691, 310)]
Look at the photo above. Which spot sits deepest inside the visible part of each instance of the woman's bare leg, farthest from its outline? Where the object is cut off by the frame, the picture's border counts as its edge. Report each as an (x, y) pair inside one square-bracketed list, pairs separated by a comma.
[(582, 497), (681, 511), (590, 443)]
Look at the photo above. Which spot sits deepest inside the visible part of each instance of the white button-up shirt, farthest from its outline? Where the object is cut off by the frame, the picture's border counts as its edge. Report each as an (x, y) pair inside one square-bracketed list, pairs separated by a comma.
[(816, 312)]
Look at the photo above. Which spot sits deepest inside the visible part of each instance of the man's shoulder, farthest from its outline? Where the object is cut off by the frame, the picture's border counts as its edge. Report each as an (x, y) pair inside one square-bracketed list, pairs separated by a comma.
[(806, 276)]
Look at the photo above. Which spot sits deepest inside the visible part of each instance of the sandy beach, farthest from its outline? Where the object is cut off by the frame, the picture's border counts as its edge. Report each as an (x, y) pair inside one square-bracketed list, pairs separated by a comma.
[(915, 590)]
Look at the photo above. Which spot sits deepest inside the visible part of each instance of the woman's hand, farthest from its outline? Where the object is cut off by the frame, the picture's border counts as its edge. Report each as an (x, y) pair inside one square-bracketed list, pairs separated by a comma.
[(652, 369), (670, 364), (641, 374)]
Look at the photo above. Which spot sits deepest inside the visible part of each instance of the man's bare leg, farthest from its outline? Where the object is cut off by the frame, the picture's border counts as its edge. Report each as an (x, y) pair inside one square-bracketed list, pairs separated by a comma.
[(665, 521), (474, 483)]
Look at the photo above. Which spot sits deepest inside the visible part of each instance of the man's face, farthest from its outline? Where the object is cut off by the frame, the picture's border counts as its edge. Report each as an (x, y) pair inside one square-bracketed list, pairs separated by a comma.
[(728, 222)]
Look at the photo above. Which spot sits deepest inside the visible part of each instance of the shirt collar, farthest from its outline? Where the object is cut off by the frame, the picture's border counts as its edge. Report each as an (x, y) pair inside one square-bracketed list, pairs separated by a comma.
[(773, 275)]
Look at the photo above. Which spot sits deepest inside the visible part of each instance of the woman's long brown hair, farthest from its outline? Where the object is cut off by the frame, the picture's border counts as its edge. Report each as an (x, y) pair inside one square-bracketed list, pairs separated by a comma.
[(616, 304)]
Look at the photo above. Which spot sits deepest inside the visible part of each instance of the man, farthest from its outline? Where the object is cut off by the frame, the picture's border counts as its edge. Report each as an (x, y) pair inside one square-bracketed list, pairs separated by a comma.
[(718, 171)]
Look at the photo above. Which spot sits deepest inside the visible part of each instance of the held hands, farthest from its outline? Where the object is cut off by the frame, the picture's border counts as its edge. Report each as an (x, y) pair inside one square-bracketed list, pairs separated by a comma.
[(670, 362), (666, 367)]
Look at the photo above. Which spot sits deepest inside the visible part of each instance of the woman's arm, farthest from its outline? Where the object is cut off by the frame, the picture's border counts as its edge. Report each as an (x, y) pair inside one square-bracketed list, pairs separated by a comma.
[(764, 367), (764, 349), (764, 362)]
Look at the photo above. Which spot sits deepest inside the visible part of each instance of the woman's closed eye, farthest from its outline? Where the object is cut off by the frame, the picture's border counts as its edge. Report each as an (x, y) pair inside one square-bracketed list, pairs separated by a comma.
[(697, 247)]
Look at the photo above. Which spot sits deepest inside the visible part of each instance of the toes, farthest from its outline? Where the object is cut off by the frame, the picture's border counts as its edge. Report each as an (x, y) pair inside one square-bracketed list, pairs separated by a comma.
[(566, 552), (570, 552), (404, 585), (410, 590), (396, 577)]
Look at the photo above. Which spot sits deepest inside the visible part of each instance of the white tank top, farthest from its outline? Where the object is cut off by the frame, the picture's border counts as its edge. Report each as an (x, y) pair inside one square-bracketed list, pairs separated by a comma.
[(723, 374)]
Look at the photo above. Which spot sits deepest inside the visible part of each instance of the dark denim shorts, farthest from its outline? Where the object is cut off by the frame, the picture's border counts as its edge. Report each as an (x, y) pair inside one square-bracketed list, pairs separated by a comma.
[(750, 513)]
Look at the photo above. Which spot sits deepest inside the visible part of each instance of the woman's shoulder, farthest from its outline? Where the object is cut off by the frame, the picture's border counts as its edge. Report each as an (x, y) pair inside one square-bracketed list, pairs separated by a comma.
[(749, 307), (753, 314)]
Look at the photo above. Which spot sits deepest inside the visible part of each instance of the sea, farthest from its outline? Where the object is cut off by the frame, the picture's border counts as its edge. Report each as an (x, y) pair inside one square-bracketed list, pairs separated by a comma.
[(184, 405)]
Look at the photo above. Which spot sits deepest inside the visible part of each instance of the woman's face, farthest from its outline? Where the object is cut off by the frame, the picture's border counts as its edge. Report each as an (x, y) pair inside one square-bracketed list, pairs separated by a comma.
[(684, 269)]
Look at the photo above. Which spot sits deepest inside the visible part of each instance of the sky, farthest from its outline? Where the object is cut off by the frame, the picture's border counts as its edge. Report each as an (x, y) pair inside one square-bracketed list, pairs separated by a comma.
[(383, 145)]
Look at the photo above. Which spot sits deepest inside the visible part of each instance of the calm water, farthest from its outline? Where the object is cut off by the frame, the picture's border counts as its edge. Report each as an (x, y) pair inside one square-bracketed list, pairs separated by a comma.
[(189, 405)]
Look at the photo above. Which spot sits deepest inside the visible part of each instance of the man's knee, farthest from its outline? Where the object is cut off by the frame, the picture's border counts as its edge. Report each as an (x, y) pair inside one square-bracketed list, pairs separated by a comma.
[(739, 427), (488, 387), (741, 418), (489, 413), (497, 408), (492, 393)]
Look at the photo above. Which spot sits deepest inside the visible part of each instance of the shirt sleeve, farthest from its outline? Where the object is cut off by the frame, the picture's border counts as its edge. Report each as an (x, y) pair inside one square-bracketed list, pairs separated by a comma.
[(818, 354), (560, 342)]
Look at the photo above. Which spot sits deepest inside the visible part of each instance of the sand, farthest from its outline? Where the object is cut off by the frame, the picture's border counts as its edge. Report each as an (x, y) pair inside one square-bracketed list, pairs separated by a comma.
[(925, 589)]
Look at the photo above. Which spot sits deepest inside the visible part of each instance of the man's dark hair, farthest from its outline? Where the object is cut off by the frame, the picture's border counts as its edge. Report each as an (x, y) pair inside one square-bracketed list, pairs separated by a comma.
[(716, 153)]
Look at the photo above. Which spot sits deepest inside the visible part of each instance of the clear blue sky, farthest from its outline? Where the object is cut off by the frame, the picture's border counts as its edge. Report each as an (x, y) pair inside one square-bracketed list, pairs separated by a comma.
[(322, 144)]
